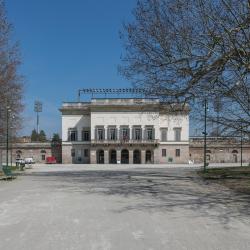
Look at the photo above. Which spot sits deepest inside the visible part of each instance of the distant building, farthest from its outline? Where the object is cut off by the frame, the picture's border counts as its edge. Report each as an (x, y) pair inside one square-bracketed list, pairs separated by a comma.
[(219, 150), (124, 130), (23, 139)]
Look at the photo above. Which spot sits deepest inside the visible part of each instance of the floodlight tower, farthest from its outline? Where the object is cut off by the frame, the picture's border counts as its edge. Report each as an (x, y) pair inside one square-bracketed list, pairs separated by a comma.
[(38, 107)]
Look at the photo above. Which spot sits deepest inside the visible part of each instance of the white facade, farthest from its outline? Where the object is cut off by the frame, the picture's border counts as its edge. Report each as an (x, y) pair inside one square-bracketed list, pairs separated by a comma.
[(143, 119)]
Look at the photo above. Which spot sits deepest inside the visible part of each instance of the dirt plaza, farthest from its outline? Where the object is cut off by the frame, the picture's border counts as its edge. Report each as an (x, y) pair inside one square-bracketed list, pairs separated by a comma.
[(120, 207)]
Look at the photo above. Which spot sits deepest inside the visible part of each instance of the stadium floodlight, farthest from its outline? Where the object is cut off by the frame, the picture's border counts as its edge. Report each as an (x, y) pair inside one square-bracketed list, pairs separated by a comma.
[(38, 107)]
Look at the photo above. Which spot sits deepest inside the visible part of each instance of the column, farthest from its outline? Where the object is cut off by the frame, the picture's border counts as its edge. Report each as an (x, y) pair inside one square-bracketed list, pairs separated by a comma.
[(131, 156), (118, 155), (106, 156), (143, 133), (130, 132), (143, 155), (105, 132)]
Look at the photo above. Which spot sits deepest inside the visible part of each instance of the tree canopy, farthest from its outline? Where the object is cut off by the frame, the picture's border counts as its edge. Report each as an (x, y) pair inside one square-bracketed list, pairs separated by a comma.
[(188, 50), (11, 82)]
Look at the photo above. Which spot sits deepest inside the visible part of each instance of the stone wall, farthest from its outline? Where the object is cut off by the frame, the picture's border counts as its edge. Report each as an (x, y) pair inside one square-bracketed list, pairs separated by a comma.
[(227, 150), (39, 151)]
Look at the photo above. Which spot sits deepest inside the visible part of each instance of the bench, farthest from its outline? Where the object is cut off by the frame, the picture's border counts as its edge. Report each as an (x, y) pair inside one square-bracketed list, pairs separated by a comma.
[(8, 175)]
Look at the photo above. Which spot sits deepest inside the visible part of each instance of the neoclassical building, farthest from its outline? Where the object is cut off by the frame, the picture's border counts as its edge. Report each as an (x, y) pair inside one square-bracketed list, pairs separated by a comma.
[(124, 130)]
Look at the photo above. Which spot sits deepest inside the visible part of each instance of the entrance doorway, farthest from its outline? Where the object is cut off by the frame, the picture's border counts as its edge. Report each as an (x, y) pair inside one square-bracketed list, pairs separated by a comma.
[(137, 157), (100, 156), (112, 157), (235, 156), (125, 156), (148, 156)]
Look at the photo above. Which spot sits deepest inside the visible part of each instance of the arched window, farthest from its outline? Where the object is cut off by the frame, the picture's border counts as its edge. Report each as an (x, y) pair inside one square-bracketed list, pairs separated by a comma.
[(234, 152)]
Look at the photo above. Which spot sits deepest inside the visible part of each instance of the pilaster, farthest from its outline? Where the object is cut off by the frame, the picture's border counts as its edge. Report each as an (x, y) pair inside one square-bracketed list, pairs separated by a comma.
[(131, 156), (106, 156)]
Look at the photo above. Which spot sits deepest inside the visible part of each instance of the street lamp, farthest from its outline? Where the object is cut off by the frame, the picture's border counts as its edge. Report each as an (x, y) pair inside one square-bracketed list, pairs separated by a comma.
[(205, 133), (8, 110), (11, 140)]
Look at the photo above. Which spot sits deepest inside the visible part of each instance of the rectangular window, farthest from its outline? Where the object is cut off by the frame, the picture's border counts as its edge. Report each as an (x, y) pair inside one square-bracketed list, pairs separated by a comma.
[(137, 134), (163, 152), (164, 132), (86, 153), (177, 135), (177, 152), (100, 134), (43, 157), (125, 134), (149, 133), (72, 135), (112, 133), (85, 135)]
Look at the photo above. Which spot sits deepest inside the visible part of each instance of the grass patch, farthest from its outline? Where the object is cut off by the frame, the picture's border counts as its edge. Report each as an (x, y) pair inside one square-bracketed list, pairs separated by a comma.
[(236, 178)]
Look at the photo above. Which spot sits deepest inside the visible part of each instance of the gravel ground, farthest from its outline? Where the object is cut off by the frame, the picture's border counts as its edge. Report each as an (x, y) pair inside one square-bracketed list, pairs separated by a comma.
[(120, 207)]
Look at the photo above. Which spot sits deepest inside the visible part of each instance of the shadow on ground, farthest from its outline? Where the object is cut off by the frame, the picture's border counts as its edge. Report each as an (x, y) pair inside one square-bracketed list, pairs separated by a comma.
[(154, 190)]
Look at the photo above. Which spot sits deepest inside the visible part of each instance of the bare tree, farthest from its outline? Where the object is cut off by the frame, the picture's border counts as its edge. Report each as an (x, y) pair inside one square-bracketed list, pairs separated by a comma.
[(188, 50), (11, 82)]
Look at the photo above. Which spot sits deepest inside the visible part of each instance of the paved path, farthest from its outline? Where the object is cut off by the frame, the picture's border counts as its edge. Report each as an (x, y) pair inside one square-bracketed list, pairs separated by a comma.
[(118, 207)]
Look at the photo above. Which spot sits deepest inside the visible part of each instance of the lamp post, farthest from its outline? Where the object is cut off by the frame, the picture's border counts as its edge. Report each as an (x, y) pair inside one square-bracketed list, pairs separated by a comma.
[(8, 110), (241, 146), (205, 135), (11, 141)]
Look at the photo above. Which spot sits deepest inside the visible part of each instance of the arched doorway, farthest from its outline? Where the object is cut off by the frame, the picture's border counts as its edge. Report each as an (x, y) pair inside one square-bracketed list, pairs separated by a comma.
[(100, 156), (124, 156), (18, 154), (208, 155), (137, 157), (149, 156), (43, 154), (112, 157), (235, 156)]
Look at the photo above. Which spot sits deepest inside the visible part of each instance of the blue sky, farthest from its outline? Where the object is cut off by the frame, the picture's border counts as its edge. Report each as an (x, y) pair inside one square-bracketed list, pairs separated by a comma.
[(66, 45)]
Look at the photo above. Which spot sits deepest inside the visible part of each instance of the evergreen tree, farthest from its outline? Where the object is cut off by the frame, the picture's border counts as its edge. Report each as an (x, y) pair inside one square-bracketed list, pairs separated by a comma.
[(56, 138), (42, 136), (34, 136)]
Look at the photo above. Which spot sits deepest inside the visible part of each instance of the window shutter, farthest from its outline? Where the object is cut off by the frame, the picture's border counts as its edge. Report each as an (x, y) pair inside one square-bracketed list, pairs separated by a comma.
[(153, 133)]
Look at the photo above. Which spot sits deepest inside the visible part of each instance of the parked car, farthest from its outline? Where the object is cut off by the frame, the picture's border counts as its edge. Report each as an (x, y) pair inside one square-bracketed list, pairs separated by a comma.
[(51, 160), (20, 161), (29, 160)]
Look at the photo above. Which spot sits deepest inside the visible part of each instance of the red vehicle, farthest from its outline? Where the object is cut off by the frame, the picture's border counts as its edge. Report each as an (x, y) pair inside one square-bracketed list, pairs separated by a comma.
[(51, 160)]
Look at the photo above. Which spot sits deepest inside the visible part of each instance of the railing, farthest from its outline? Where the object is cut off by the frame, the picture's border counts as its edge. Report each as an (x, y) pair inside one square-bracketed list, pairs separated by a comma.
[(119, 141)]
